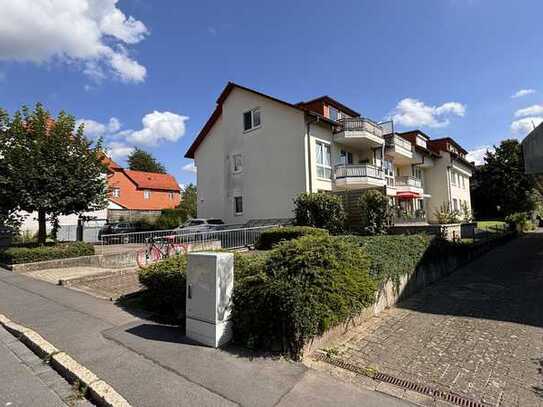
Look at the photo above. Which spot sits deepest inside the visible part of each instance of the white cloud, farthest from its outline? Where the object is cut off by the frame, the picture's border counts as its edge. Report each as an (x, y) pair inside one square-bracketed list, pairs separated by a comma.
[(190, 167), (96, 129), (525, 125), (477, 154), (118, 150), (157, 127), (534, 110), (523, 92), (90, 32), (411, 112)]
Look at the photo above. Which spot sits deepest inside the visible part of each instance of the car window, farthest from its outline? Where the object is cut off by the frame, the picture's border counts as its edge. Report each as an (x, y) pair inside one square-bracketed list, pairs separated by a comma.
[(215, 222), (196, 222)]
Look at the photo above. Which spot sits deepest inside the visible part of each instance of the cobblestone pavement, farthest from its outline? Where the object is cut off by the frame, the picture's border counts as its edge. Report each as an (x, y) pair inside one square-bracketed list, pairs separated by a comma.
[(478, 332)]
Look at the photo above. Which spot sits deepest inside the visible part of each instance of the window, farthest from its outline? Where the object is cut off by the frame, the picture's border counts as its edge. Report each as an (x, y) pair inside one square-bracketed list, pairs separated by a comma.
[(455, 204), (251, 119), (453, 178), (324, 169), (333, 113), (346, 157), (146, 194), (238, 205), (237, 162), (463, 182), (170, 195), (417, 172), (116, 192)]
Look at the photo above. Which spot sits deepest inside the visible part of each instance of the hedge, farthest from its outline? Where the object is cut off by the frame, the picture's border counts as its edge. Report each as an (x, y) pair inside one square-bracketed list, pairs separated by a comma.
[(306, 286), (21, 254), (271, 237), (166, 280)]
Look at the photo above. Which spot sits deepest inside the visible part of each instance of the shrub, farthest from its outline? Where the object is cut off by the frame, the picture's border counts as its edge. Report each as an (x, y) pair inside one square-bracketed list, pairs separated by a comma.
[(308, 285), (392, 256), (375, 212), (320, 210), (272, 236), (166, 280), (33, 253), (445, 215), (467, 215), (521, 221)]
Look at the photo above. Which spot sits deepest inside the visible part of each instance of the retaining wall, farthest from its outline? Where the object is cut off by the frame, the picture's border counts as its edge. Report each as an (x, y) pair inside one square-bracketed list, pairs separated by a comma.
[(392, 292)]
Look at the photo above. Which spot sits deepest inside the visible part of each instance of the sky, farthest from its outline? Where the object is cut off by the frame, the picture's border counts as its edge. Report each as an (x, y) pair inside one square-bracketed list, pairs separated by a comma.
[(146, 74)]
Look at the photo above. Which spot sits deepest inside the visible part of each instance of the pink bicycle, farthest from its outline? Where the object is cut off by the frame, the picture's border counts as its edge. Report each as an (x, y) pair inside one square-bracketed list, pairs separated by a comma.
[(158, 249)]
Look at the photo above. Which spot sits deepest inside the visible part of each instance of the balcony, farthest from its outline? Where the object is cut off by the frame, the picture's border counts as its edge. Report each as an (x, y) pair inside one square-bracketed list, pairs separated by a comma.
[(399, 148), (408, 186), (358, 176), (359, 132)]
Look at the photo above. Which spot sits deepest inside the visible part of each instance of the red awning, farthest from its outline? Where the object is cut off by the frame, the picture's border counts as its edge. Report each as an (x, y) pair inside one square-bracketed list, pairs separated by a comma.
[(407, 195)]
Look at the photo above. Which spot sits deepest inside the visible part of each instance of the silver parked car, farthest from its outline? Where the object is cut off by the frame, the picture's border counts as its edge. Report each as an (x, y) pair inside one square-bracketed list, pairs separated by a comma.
[(200, 225)]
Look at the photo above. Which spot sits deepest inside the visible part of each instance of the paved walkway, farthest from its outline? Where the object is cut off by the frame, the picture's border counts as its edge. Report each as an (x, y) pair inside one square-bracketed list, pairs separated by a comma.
[(478, 333), (26, 381), (155, 365)]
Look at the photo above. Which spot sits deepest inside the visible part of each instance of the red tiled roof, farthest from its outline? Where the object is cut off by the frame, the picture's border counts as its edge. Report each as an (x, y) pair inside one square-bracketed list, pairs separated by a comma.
[(153, 180), (109, 163)]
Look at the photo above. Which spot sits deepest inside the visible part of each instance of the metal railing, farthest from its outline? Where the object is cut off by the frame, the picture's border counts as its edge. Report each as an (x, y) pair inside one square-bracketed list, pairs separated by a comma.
[(395, 140), (361, 124), (361, 170), (228, 238), (408, 181), (409, 218)]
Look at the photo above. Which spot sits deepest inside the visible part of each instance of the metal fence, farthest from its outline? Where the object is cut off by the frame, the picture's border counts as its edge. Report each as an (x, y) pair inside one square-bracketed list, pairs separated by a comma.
[(228, 238)]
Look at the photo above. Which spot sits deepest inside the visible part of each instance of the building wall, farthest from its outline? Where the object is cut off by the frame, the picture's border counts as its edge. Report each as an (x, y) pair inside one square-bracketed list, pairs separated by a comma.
[(273, 164), (133, 198)]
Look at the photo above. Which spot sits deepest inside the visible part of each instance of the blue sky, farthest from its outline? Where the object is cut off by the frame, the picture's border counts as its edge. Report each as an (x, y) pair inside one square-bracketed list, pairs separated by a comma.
[(449, 67)]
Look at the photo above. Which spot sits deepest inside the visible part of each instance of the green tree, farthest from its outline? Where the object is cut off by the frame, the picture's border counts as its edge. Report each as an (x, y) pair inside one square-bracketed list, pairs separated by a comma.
[(140, 160), (375, 212), (48, 166), (188, 202), (320, 210), (500, 187)]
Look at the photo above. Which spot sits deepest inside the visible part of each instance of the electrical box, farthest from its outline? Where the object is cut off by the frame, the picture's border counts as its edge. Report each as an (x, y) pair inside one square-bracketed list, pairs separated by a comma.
[(210, 282)]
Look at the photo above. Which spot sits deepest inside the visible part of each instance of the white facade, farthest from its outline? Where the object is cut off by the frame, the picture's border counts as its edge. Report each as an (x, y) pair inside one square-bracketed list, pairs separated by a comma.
[(260, 153)]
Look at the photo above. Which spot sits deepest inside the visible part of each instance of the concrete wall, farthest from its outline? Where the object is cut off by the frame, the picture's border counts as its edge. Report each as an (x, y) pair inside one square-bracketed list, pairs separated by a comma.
[(273, 161)]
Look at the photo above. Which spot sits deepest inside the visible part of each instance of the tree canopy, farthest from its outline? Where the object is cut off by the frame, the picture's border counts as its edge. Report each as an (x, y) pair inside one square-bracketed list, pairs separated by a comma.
[(141, 160), (500, 187), (49, 167)]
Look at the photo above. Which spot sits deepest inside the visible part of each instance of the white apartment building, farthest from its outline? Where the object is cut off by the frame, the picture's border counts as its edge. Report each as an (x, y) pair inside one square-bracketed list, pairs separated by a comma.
[(256, 153)]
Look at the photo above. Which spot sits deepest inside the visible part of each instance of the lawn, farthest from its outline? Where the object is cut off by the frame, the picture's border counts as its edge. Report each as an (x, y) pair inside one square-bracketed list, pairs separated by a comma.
[(490, 225)]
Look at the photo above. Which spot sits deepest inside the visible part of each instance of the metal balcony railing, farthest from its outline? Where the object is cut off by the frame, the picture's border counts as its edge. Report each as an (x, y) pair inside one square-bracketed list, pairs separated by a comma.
[(394, 140), (361, 170), (360, 124), (408, 181)]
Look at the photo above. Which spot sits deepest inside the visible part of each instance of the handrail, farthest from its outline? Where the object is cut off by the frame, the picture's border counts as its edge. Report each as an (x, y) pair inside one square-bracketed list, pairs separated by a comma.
[(360, 170), (408, 180), (360, 124), (393, 139)]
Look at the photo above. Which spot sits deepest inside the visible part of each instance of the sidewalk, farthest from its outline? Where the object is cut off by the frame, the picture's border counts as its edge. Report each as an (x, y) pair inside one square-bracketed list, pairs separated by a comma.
[(154, 365), (26, 381)]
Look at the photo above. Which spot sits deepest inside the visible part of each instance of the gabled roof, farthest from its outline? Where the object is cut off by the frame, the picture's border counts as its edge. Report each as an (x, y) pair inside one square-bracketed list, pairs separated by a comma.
[(153, 180), (330, 101), (440, 142)]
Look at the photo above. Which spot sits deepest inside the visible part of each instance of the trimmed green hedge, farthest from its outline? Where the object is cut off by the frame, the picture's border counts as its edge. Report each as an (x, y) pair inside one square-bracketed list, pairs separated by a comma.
[(306, 286), (166, 280), (21, 254), (271, 237)]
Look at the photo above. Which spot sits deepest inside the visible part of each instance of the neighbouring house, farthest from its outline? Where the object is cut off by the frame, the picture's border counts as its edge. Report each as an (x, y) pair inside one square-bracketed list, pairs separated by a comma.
[(131, 195), (256, 153), (532, 149)]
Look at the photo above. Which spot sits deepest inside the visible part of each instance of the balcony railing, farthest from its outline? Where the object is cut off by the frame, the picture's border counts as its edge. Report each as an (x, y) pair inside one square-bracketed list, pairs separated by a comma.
[(361, 170), (408, 181), (360, 124), (394, 140)]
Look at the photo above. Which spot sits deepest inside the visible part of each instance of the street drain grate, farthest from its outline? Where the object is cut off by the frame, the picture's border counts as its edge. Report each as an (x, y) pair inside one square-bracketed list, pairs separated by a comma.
[(404, 384)]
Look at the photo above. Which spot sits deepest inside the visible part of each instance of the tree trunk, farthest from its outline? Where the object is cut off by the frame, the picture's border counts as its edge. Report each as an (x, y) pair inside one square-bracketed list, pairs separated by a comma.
[(42, 226)]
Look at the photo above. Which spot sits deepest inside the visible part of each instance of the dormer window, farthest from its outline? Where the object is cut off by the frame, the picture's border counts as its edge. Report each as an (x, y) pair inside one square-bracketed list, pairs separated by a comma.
[(116, 192), (333, 113)]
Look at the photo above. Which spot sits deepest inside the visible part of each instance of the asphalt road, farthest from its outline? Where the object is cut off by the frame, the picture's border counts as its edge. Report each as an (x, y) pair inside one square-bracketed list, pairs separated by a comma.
[(154, 365)]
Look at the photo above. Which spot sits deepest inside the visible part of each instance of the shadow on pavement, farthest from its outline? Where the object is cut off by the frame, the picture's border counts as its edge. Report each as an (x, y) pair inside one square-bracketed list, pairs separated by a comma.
[(506, 284)]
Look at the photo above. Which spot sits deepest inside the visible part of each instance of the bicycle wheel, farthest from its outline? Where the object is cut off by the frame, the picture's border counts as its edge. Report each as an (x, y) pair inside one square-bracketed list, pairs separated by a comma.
[(146, 257)]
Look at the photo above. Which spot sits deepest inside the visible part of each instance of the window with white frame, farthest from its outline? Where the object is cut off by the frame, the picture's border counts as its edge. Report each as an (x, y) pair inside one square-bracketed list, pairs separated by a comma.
[(237, 163), (324, 169), (238, 205), (116, 192), (463, 182), (455, 204), (453, 178), (170, 195), (346, 157), (251, 119), (146, 194)]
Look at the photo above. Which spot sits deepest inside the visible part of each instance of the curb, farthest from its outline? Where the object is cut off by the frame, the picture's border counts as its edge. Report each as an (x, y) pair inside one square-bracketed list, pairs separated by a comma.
[(99, 392)]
